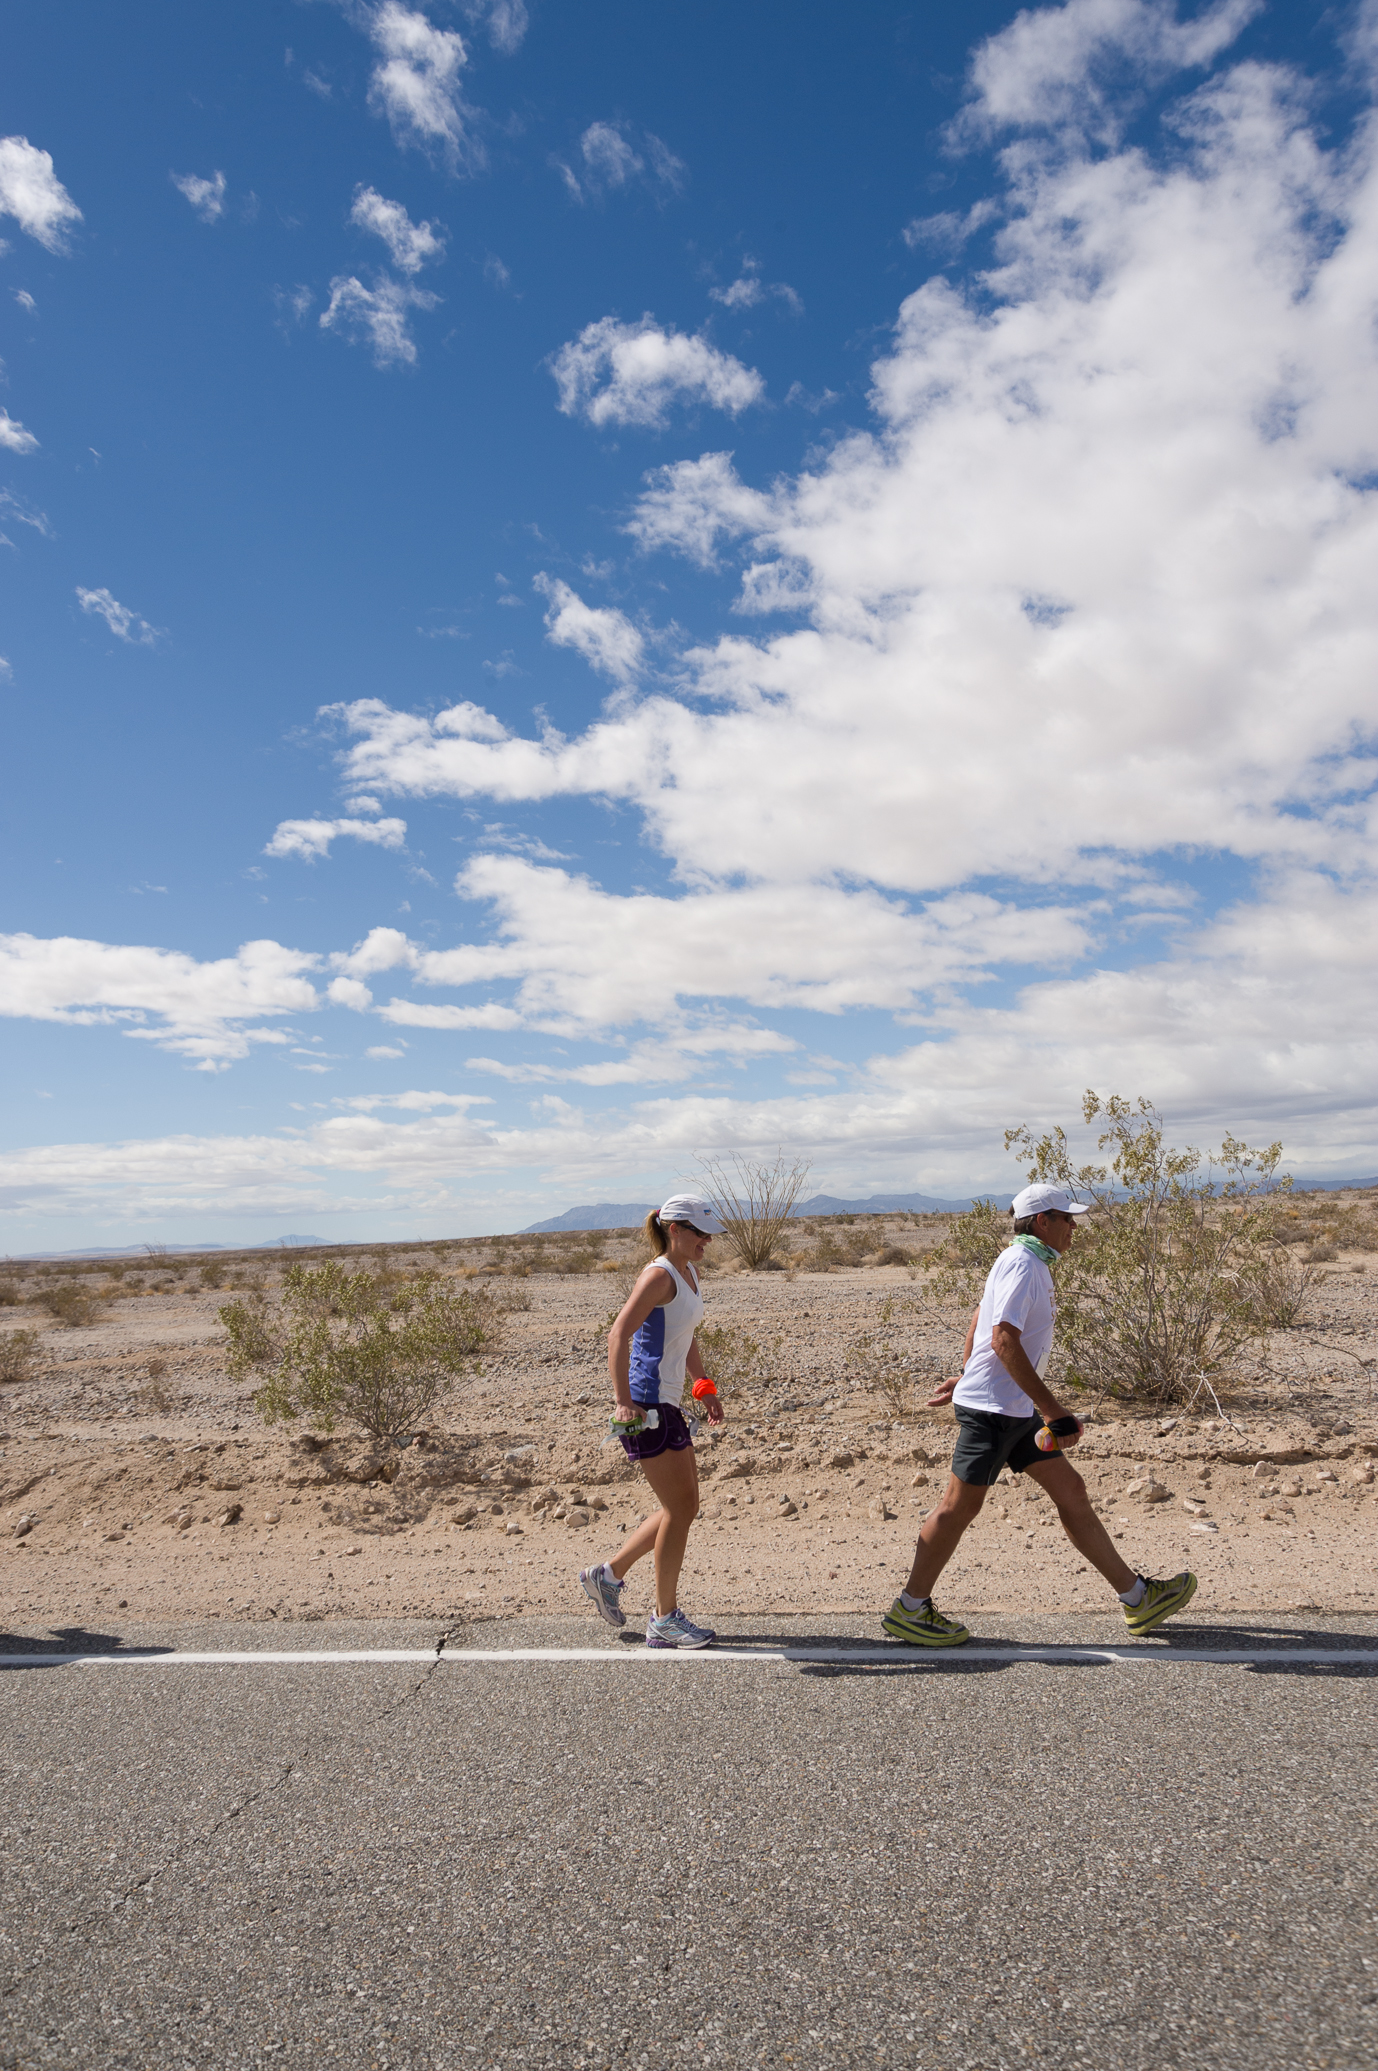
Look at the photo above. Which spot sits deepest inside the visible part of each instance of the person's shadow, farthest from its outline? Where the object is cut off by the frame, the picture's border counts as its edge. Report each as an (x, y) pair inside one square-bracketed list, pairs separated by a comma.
[(62, 1643)]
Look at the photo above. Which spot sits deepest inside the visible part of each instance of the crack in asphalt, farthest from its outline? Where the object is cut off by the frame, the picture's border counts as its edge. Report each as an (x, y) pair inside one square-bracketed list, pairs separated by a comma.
[(234, 1812)]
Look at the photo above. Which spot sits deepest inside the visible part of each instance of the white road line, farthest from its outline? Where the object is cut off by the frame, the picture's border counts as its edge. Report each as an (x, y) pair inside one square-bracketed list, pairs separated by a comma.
[(831, 1657)]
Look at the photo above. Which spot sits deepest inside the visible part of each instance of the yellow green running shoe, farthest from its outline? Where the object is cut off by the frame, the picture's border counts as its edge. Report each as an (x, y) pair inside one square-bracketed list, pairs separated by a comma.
[(923, 1628), (1160, 1600)]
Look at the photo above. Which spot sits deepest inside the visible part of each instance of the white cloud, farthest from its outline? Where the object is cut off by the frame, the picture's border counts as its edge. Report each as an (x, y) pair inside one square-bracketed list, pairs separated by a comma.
[(608, 160), (607, 639), (1074, 66), (417, 1014), (411, 244), (310, 839), (748, 291), (157, 995), (125, 624), (12, 506), (1265, 1026), (13, 435), (416, 82), (381, 1050), (207, 197), (507, 22), (376, 316), (26, 301), (31, 192), (616, 373), (691, 506)]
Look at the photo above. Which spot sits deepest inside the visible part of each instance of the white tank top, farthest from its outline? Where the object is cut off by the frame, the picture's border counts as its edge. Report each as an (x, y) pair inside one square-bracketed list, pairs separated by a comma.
[(661, 1344)]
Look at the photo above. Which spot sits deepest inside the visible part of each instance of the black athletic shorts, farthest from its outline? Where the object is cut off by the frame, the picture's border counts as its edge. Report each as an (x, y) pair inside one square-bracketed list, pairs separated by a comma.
[(986, 1442), (671, 1436)]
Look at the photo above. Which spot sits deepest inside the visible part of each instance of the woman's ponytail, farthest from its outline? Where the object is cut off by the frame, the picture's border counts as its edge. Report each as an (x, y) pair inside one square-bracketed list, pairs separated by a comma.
[(655, 1235)]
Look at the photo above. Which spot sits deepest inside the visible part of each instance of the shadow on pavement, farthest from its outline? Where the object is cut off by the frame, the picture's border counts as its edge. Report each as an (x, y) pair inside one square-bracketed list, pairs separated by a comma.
[(61, 1642)]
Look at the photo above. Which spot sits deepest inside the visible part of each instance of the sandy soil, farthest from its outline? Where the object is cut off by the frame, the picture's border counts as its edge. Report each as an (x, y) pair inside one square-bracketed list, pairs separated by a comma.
[(134, 1476)]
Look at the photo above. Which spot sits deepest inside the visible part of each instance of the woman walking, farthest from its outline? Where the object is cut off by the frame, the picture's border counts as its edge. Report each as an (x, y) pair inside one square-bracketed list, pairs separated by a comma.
[(652, 1352)]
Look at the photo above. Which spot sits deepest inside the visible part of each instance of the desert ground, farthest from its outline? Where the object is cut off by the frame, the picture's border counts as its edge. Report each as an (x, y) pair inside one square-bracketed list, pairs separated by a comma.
[(137, 1478)]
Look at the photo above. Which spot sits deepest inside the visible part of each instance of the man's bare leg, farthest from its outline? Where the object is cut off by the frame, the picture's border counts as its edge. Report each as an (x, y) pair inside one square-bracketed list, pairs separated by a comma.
[(941, 1533), (1058, 1478)]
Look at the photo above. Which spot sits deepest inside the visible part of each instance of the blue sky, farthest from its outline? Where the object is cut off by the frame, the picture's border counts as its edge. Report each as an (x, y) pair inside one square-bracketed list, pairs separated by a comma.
[(584, 587)]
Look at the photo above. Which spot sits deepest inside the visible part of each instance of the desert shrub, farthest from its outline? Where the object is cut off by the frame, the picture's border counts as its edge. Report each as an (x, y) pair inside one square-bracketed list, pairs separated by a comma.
[(212, 1274), (894, 1255), (1170, 1278), (739, 1363), (70, 1304), (10, 1297), (755, 1202), (343, 1345), (18, 1352)]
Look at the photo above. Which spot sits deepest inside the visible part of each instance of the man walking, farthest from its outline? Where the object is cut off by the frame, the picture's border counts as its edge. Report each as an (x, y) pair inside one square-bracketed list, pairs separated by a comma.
[(1001, 1401)]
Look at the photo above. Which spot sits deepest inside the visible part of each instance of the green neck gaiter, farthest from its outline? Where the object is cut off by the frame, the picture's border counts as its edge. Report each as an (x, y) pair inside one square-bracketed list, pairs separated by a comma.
[(1039, 1249)]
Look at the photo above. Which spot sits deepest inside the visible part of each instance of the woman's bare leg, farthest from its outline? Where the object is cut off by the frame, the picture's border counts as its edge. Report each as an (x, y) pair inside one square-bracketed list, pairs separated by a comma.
[(674, 1478), (636, 1545)]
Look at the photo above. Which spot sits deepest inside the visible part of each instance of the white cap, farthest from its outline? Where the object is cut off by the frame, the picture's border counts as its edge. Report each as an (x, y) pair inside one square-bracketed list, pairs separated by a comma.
[(693, 1209), (1038, 1200)]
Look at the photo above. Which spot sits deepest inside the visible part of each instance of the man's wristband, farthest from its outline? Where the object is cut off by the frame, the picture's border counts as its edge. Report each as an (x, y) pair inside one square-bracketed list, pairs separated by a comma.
[(1064, 1427)]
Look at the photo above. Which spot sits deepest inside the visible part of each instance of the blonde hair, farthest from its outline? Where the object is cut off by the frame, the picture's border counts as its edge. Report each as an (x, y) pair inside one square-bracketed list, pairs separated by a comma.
[(655, 1235)]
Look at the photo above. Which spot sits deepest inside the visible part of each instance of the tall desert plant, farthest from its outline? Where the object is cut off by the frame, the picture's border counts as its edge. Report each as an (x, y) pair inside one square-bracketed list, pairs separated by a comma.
[(754, 1200), (1175, 1271), (357, 1347)]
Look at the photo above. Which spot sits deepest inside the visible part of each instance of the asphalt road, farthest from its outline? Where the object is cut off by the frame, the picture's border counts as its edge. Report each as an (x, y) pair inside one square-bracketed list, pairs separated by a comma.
[(623, 1862)]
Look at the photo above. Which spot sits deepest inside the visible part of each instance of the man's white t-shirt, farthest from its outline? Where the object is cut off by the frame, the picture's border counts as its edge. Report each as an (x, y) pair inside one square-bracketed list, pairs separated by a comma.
[(1018, 1290)]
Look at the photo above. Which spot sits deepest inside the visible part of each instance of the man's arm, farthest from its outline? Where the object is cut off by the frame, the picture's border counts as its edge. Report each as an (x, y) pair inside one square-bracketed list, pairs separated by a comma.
[(1009, 1350)]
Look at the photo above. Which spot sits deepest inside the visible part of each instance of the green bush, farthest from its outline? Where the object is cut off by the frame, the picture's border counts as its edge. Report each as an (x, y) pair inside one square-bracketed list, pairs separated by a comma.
[(1177, 1270), (18, 1351), (357, 1347), (69, 1304)]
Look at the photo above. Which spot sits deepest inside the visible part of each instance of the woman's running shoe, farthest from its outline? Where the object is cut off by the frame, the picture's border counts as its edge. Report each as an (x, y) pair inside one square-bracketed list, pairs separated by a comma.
[(675, 1630), (925, 1627), (1160, 1600), (603, 1591)]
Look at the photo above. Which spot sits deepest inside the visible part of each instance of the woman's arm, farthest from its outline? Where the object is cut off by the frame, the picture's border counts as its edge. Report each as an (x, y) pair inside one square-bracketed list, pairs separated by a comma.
[(651, 1292)]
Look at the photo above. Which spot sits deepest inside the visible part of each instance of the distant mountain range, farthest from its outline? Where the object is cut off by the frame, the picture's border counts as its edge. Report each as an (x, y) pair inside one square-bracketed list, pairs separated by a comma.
[(629, 1215), (156, 1251)]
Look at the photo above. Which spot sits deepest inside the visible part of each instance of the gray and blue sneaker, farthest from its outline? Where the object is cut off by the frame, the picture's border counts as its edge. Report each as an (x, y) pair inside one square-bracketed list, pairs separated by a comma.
[(603, 1590), (676, 1630)]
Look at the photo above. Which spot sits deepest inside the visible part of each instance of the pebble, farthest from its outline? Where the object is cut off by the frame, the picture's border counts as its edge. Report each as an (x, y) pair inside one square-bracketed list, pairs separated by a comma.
[(920, 1481), (513, 1528), (1207, 1525), (231, 1515), (578, 1515), (351, 1550), (272, 1517), (841, 1458)]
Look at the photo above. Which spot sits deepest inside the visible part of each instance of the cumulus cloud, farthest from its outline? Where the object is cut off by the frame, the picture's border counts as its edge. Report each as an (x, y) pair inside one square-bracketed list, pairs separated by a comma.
[(616, 373), (125, 624), (311, 839), (207, 197), (416, 82), (376, 316), (31, 192), (198, 1010), (1248, 1030), (13, 435), (607, 160), (607, 639), (411, 244), (1082, 65)]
